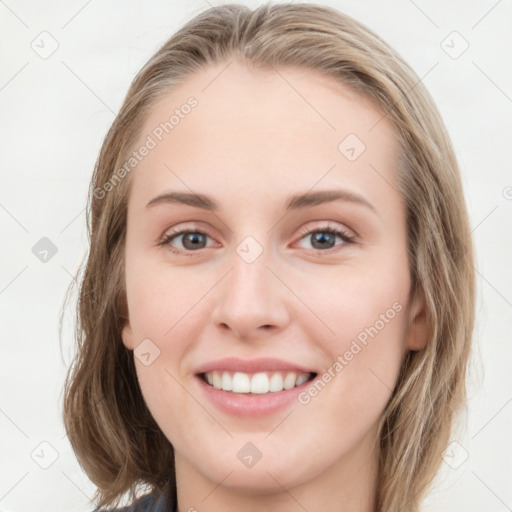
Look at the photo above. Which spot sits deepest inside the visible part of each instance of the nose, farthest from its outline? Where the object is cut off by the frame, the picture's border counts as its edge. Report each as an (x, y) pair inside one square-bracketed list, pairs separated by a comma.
[(251, 300)]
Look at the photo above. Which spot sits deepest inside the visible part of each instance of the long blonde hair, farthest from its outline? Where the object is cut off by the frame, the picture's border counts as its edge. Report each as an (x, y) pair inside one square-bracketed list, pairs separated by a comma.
[(114, 436)]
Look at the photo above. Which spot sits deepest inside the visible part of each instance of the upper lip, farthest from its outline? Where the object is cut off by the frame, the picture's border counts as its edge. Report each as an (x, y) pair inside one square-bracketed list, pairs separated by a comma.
[(251, 365)]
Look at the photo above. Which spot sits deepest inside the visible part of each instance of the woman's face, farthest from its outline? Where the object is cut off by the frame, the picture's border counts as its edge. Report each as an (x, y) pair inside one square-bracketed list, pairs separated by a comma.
[(263, 289)]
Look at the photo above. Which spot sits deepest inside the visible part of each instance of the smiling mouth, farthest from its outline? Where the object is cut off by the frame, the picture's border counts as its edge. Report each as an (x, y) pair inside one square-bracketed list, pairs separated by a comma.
[(256, 383)]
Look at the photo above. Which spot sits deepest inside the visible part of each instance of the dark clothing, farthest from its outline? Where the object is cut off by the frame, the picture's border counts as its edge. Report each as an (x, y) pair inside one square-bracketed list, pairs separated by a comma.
[(156, 501)]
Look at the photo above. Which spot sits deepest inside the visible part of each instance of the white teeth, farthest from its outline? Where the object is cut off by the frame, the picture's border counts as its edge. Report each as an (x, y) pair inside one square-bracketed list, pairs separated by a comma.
[(289, 381), (226, 382), (301, 379), (276, 382), (259, 383), (241, 383), (217, 380)]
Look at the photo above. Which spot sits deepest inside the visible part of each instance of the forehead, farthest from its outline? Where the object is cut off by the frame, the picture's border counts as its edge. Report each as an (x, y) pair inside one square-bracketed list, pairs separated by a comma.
[(264, 130)]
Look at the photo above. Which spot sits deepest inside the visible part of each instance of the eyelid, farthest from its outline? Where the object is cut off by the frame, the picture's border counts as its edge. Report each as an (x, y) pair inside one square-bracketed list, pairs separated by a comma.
[(184, 227), (327, 225)]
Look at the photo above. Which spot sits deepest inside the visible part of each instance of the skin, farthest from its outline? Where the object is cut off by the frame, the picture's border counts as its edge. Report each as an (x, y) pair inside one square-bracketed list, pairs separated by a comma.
[(251, 142)]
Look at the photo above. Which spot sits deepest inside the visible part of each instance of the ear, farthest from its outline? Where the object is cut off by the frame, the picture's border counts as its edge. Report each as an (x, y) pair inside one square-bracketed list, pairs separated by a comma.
[(127, 336), (417, 329), (126, 333)]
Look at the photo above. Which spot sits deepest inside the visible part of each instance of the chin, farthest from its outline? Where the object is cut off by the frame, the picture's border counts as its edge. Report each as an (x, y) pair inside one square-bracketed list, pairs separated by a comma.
[(265, 475)]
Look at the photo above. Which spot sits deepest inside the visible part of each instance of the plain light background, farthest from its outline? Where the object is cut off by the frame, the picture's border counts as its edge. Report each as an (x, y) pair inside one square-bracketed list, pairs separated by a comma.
[(55, 111)]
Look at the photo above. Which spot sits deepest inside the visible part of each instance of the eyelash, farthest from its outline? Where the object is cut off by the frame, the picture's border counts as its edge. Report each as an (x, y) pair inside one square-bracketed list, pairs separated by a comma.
[(347, 239)]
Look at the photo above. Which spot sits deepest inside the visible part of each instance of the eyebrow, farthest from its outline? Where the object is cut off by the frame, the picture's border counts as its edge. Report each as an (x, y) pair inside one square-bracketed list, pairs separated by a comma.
[(296, 202)]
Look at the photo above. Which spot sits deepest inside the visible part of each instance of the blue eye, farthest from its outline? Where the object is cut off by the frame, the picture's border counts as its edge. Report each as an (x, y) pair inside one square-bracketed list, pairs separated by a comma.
[(190, 240), (325, 238), (322, 239)]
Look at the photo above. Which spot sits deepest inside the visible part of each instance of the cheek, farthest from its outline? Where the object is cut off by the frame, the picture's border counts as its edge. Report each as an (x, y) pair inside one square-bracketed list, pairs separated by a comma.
[(366, 352), (365, 312), (166, 308), (359, 304), (162, 301), (346, 401)]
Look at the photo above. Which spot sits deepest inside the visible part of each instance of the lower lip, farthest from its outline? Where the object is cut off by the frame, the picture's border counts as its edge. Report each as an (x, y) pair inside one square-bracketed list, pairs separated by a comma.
[(249, 405)]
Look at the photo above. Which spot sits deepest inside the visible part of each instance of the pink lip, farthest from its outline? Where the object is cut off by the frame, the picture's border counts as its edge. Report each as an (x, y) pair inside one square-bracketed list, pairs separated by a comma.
[(249, 405), (264, 364)]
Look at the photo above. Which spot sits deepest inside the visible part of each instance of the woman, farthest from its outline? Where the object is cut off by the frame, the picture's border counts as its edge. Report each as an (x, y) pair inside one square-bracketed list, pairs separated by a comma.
[(277, 308)]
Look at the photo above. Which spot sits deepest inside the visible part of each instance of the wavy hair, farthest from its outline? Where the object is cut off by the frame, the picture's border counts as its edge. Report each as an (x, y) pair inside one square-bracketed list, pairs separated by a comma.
[(115, 438)]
